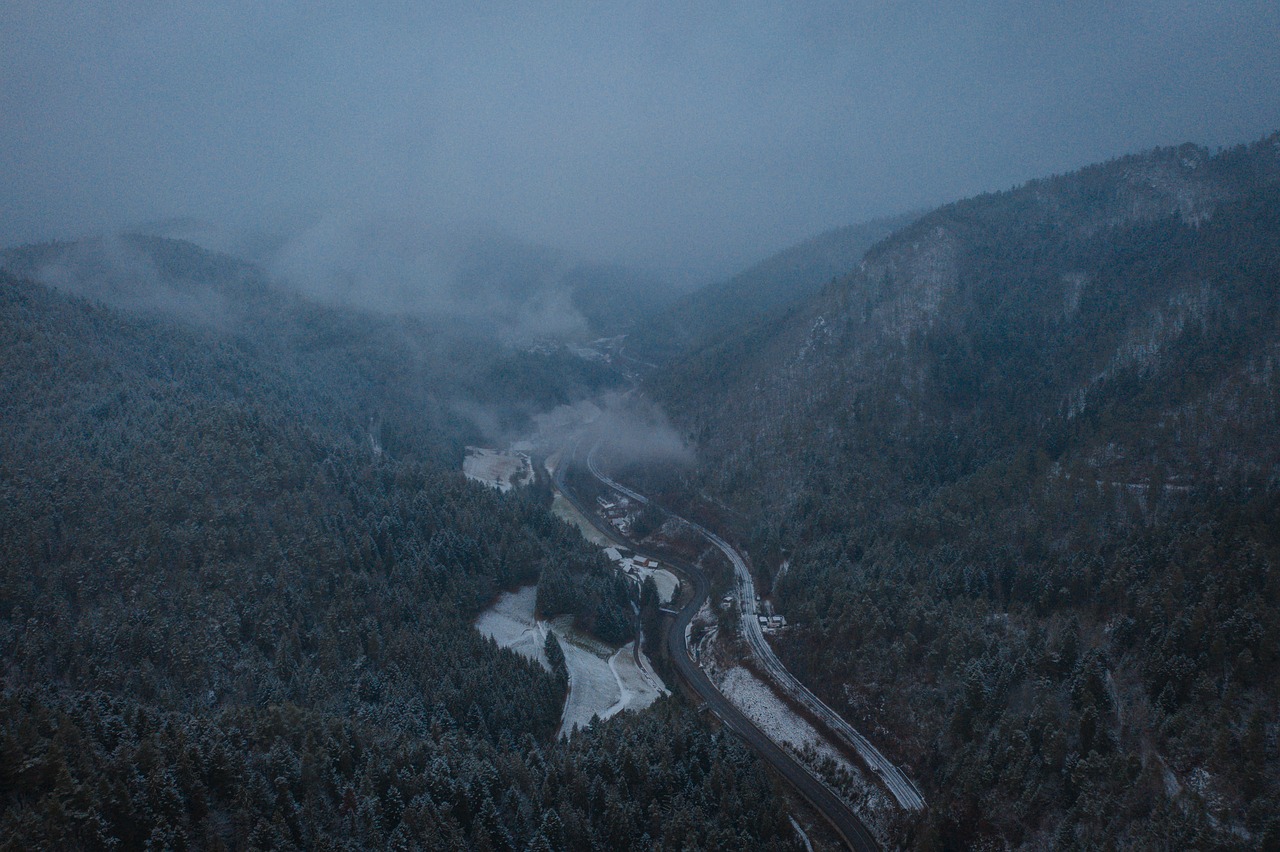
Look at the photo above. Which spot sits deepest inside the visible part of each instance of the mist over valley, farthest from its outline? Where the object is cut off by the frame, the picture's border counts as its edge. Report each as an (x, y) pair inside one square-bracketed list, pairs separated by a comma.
[(627, 427)]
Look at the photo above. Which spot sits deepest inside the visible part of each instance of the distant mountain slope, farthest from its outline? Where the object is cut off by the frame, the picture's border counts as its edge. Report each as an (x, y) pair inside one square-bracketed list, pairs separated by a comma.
[(790, 276), (1025, 310), (423, 378), (517, 291), (1023, 463)]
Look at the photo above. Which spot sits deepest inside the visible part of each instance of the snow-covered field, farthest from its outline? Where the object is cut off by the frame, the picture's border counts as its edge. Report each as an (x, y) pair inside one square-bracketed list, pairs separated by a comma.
[(593, 688), (782, 725), (501, 470), (603, 681), (564, 510), (510, 623)]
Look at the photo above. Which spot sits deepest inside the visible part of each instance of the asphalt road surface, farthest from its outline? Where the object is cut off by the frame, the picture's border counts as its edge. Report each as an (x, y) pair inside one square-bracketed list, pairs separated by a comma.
[(894, 779), (841, 818)]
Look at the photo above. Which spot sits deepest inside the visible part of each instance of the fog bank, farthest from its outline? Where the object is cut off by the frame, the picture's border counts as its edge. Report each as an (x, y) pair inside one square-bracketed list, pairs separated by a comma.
[(692, 139)]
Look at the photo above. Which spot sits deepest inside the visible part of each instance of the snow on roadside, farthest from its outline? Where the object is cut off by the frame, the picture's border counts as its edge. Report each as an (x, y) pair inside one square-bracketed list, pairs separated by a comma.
[(774, 717), (784, 726)]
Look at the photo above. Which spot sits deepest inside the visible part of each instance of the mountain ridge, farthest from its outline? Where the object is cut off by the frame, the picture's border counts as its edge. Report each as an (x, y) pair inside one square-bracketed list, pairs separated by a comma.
[(1020, 463), (786, 277)]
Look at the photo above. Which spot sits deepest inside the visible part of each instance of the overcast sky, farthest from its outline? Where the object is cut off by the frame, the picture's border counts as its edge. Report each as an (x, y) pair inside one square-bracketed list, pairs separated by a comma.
[(689, 137)]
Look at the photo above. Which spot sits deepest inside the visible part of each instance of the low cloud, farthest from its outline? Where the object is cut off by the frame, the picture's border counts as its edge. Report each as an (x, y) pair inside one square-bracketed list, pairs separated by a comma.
[(510, 290), (117, 272), (628, 428)]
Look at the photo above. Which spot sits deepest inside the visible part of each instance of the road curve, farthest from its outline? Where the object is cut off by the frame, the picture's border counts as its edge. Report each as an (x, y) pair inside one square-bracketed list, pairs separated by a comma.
[(840, 817), (894, 779)]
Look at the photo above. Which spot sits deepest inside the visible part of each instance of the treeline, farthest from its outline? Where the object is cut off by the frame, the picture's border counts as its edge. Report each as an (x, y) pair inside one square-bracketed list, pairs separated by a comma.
[(94, 771), (598, 598), (229, 618)]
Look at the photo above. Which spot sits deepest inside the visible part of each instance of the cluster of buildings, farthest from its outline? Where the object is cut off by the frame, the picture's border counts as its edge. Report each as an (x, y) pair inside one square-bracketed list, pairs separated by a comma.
[(772, 623), (631, 565), (617, 511)]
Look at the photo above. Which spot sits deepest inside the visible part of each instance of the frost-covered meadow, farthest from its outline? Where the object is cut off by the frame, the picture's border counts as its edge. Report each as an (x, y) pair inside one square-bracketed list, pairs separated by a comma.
[(510, 622), (783, 725), (496, 468), (603, 680)]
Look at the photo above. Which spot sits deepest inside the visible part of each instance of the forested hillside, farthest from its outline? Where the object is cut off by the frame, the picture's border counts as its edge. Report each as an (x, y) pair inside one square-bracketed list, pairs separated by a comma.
[(792, 275), (1021, 467), (238, 571), (425, 383)]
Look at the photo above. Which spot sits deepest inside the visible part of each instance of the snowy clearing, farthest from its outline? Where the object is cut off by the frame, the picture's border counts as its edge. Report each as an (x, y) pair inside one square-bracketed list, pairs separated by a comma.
[(510, 623), (603, 681), (564, 510), (593, 687), (498, 469), (782, 725)]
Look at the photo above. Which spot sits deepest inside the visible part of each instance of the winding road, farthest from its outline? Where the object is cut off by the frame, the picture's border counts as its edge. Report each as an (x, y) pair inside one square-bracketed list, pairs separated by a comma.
[(894, 779), (840, 817)]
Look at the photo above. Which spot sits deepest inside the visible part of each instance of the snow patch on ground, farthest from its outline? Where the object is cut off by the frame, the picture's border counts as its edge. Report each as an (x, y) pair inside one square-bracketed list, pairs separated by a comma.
[(496, 468), (639, 683), (774, 717), (784, 726), (593, 688), (603, 680), (510, 622), (804, 838), (564, 510)]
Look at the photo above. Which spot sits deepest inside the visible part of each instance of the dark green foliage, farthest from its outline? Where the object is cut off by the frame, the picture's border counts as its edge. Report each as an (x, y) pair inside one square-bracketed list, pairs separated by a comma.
[(555, 658), (595, 595), (94, 771), (229, 619), (1023, 463), (649, 519)]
